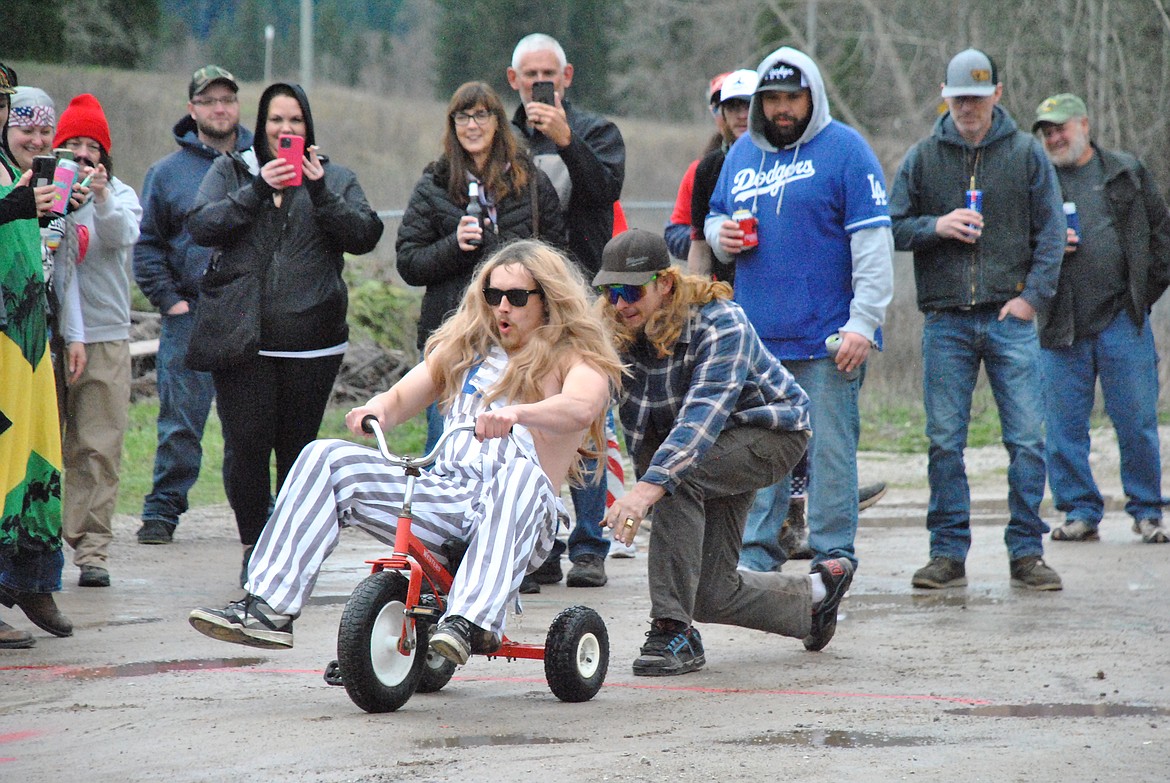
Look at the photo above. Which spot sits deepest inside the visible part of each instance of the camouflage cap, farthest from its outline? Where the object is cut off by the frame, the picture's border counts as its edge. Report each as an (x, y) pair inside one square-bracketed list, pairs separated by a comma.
[(1059, 109), (209, 75)]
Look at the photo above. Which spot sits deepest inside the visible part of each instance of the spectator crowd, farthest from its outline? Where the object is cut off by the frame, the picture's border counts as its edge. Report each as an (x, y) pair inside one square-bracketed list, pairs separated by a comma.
[(732, 347)]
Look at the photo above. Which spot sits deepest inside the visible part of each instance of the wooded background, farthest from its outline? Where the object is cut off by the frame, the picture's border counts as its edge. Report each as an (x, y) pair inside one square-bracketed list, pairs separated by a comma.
[(384, 70), (883, 59)]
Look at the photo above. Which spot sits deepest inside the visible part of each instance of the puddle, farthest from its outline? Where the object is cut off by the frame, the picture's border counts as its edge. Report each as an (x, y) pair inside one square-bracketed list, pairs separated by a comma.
[(1061, 711), (818, 738), (903, 601), (480, 740), (146, 668)]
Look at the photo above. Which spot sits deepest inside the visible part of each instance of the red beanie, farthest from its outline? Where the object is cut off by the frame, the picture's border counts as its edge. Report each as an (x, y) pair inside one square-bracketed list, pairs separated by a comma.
[(83, 117)]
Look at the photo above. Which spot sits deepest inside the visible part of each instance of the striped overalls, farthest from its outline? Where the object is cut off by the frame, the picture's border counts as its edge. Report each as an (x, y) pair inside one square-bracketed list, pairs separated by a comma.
[(493, 495)]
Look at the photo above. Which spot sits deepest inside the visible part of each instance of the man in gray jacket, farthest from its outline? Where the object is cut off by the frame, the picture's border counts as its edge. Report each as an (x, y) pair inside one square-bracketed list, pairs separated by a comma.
[(978, 204), (1116, 265)]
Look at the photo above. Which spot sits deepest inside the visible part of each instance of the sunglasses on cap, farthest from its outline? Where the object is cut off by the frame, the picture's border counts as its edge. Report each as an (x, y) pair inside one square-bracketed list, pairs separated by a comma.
[(631, 293), (517, 297)]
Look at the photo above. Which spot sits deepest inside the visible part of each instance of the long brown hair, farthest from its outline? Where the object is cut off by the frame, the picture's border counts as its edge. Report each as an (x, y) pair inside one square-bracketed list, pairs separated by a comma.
[(665, 325), (571, 331), (506, 171)]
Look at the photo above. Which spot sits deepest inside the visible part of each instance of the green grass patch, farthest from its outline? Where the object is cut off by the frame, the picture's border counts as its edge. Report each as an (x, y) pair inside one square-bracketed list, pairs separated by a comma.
[(142, 439), (898, 426)]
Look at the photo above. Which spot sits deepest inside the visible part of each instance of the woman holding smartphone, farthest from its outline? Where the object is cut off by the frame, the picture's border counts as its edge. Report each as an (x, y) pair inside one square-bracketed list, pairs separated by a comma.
[(439, 244), (297, 235), (31, 560)]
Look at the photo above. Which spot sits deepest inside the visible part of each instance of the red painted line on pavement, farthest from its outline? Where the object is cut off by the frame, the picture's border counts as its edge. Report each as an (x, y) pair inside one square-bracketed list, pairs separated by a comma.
[(66, 671), (17, 736)]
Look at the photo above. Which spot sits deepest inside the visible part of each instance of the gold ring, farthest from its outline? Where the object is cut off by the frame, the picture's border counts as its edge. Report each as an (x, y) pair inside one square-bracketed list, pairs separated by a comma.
[(630, 522)]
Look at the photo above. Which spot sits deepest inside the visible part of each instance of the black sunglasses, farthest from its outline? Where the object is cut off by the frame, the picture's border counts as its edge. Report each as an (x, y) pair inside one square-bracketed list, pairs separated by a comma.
[(517, 297), (631, 293)]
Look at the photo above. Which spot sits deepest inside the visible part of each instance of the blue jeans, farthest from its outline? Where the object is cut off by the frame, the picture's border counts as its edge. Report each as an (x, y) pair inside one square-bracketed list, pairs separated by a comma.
[(434, 427), (184, 401), (31, 572), (832, 468), (953, 345), (1123, 358), (588, 510)]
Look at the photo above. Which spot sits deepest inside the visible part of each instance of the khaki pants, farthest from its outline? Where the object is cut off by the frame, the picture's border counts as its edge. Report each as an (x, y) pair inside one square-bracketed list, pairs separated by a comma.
[(96, 416)]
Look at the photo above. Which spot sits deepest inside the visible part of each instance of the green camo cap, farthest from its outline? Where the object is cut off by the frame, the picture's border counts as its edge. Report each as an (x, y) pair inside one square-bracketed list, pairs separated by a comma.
[(1059, 109)]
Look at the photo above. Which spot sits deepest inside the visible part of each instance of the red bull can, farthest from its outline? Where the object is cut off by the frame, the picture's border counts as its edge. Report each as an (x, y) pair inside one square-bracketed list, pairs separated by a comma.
[(975, 202), (1072, 218), (750, 227)]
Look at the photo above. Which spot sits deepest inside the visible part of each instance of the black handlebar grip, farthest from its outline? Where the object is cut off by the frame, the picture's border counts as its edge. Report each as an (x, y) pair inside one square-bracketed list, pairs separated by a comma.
[(369, 423)]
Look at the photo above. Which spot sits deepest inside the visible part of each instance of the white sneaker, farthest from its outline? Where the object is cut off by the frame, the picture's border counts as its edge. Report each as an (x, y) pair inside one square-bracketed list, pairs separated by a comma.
[(622, 551)]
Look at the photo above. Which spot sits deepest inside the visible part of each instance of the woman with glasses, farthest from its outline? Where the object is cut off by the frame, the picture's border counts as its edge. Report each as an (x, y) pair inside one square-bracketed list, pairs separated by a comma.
[(439, 244), (294, 237)]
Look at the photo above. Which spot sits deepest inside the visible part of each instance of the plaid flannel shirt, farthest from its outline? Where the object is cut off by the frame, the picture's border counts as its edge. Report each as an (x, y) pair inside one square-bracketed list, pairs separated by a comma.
[(719, 376)]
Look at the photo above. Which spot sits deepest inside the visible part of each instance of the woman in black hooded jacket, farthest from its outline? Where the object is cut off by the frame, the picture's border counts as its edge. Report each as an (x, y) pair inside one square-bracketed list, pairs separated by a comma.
[(274, 401), (436, 244)]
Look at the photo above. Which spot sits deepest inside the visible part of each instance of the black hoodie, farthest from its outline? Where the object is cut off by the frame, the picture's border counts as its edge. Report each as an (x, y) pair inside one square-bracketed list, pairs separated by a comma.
[(302, 242)]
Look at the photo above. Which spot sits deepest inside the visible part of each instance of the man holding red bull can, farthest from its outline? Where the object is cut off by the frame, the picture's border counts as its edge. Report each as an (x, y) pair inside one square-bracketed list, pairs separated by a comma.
[(821, 263), (1116, 266), (982, 275)]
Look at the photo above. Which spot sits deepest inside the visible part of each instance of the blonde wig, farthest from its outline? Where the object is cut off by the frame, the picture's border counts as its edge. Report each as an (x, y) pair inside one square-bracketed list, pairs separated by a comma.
[(571, 330)]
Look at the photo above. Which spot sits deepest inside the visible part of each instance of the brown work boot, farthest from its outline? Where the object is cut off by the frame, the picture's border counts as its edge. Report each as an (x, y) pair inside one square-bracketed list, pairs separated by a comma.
[(14, 638), (40, 608), (1032, 573)]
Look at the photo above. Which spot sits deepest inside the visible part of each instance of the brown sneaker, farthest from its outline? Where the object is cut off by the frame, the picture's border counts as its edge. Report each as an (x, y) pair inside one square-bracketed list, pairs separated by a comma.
[(1032, 573)]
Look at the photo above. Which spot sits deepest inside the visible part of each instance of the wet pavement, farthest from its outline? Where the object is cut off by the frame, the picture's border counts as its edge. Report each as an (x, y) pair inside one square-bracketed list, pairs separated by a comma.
[(982, 683)]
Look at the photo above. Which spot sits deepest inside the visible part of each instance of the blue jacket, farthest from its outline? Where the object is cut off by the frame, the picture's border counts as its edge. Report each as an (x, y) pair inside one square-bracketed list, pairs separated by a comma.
[(168, 265)]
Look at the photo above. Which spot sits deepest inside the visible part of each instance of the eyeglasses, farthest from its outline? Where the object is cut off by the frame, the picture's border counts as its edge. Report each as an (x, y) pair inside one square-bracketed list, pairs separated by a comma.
[(463, 118), (230, 100), (517, 297), (631, 293)]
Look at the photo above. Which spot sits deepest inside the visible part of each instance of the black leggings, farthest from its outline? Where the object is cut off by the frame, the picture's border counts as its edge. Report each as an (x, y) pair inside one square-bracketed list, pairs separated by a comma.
[(268, 405)]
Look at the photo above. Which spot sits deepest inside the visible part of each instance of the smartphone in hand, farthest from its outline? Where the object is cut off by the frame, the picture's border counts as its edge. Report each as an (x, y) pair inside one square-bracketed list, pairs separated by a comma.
[(43, 167), (291, 148), (542, 92)]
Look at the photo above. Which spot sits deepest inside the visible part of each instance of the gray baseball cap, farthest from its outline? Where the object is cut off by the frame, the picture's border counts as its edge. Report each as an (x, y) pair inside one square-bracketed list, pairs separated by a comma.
[(970, 72), (633, 258)]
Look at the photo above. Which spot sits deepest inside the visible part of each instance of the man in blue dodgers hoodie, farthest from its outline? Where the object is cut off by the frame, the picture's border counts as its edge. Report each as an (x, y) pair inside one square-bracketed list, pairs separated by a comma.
[(823, 268), (168, 267), (983, 275)]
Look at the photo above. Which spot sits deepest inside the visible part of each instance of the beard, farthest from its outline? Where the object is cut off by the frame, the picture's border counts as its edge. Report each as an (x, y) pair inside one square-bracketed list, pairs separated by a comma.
[(212, 132), (781, 138), (1076, 148)]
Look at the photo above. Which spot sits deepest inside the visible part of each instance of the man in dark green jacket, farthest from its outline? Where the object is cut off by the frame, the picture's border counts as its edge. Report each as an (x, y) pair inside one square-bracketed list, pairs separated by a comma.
[(1116, 265), (978, 204)]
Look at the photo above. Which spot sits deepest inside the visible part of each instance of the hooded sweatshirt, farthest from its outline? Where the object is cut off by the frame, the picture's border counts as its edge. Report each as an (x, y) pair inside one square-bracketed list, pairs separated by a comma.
[(1020, 249), (825, 257), (301, 244), (167, 264)]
